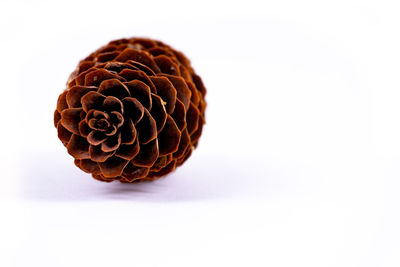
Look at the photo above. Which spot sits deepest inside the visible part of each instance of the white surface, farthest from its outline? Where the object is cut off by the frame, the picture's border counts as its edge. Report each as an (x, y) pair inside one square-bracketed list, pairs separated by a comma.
[(298, 164)]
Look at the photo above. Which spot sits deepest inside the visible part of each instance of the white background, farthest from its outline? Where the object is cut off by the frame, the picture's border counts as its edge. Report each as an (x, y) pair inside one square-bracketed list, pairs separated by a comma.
[(298, 164)]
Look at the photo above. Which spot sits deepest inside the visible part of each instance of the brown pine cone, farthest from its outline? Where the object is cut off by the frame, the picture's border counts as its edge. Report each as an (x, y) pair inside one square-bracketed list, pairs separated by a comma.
[(132, 111)]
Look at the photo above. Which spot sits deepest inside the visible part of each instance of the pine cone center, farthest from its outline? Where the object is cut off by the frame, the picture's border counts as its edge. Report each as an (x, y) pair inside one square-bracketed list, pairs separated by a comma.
[(102, 125)]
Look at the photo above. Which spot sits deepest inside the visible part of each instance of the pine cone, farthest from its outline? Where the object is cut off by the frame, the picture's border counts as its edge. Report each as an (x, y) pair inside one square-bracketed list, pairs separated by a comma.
[(132, 111)]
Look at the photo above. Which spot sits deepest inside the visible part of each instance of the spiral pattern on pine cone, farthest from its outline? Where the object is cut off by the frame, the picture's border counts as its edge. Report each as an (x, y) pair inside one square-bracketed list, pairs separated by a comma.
[(132, 111)]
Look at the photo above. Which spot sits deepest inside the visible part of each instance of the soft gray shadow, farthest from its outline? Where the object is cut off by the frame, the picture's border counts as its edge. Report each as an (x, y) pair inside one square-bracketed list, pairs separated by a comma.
[(201, 178)]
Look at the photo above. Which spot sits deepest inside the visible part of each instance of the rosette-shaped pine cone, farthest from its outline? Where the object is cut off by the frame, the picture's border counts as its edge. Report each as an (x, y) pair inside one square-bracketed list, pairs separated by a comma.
[(132, 111)]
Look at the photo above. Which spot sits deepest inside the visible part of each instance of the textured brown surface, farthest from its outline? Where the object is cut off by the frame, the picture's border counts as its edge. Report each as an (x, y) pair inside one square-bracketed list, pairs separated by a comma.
[(132, 111)]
